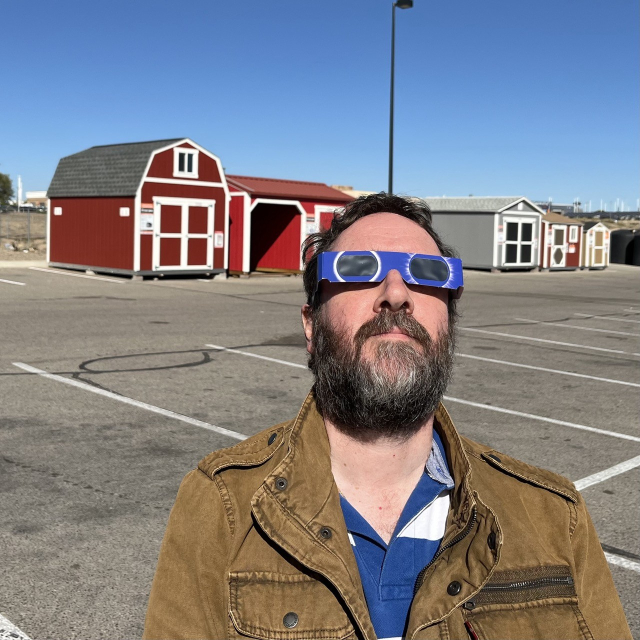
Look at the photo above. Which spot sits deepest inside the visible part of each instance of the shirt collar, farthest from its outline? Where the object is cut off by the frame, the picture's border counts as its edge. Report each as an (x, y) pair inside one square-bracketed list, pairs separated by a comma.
[(436, 466)]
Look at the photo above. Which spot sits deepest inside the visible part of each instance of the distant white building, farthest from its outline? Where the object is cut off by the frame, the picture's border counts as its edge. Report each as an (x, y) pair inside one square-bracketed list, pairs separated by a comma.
[(36, 198)]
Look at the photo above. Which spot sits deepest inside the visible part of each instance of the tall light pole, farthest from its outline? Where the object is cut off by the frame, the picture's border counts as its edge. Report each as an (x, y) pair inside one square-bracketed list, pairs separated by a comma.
[(401, 4)]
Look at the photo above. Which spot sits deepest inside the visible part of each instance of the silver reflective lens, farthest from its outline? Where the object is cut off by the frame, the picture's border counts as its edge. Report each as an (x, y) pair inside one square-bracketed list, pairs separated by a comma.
[(350, 265), (426, 269)]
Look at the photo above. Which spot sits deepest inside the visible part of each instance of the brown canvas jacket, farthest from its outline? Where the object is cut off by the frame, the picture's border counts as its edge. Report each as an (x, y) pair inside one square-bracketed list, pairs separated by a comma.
[(256, 546)]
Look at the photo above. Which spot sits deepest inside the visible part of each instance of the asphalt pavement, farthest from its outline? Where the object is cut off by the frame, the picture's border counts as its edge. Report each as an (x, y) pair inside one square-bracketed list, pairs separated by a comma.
[(111, 392)]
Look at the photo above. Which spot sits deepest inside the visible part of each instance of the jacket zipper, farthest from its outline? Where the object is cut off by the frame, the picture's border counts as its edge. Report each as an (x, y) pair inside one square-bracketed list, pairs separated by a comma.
[(461, 536), (529, 584)]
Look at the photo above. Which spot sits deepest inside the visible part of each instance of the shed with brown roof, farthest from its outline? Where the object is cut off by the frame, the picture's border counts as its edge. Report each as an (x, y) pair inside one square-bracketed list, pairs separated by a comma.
[(560, 242)]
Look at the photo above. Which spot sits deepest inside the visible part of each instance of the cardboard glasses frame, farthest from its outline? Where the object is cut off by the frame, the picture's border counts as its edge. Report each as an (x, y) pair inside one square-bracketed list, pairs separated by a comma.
[(373, 266)]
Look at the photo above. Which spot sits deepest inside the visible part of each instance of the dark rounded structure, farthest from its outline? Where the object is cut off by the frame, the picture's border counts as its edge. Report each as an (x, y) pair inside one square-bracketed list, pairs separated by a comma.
[(621, 250), (635, 253)]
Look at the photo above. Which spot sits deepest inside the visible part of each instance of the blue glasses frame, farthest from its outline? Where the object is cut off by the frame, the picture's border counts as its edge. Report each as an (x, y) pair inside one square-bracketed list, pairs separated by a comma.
[(373, 266)]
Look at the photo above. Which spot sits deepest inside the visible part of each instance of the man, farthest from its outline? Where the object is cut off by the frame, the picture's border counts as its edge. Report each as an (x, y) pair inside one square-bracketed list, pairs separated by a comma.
[(368, 515)]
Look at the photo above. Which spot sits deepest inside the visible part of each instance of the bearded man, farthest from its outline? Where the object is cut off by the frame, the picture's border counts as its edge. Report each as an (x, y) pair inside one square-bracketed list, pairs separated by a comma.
[(369, 516)]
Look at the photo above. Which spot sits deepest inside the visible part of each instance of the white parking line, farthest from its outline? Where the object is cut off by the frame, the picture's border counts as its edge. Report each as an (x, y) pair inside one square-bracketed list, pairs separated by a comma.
[(531, 416), (255, 355), (572, 326), (586, 315), (13, 282), (9, 630), (77, 275), (563, 344), (622, 562), (559, 371), (488, 407), (601, 476), (131, 401)]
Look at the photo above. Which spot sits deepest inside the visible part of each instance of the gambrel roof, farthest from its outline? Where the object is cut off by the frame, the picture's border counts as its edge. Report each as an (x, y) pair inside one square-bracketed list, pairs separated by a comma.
[(109, 170)]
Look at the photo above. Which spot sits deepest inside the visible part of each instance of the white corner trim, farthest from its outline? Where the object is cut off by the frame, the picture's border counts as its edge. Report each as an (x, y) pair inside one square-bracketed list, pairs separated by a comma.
[(136, 232), (48, 230)]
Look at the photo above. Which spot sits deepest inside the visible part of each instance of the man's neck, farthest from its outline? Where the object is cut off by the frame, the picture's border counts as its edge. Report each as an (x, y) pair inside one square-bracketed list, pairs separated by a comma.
[(378, 477)]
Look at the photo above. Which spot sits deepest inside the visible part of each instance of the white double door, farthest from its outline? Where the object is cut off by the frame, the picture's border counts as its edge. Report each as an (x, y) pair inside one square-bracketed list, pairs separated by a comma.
[(183, 234)]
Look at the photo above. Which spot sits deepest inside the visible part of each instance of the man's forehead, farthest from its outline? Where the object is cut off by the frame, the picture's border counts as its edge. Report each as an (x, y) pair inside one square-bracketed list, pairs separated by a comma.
[(386, 232)]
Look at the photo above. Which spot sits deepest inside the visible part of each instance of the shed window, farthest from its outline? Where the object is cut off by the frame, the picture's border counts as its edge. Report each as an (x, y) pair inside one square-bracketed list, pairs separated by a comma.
[(57, 211), (573, 233), (185, 163)]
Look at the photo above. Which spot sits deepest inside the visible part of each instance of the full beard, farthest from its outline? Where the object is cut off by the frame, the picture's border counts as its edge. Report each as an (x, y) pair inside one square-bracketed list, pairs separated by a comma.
[(392, 393)]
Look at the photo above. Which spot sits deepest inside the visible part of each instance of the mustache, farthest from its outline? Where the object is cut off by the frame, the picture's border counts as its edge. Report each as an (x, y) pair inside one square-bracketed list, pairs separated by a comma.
[(387, 320)]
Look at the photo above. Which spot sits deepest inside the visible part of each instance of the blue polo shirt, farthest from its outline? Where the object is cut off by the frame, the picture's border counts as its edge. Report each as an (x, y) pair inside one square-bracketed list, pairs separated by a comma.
[(389, 572)]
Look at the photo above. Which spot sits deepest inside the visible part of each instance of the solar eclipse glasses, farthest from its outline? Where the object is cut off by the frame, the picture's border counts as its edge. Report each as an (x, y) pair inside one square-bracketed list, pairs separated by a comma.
[(373, 266)]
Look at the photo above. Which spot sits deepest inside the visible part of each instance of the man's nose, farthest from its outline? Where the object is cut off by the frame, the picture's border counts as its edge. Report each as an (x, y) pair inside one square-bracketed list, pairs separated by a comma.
[(394, 294)]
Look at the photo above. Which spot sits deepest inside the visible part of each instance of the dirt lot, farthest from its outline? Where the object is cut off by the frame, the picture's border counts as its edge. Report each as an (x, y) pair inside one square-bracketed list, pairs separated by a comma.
[(18, 241)]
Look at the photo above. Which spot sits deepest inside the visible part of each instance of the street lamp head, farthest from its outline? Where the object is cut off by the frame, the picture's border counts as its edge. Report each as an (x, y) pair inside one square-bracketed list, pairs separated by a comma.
[(404, 4)]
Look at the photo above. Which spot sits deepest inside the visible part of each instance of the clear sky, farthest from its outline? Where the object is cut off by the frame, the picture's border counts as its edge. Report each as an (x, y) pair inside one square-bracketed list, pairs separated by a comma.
[(493, 97)]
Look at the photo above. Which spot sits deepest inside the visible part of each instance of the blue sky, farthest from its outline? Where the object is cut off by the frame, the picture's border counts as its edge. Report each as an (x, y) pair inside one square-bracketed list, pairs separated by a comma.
[(493, 97)]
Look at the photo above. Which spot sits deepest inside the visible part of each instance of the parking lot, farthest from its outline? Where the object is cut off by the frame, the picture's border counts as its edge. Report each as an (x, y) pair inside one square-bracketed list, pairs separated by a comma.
[(112, 390)]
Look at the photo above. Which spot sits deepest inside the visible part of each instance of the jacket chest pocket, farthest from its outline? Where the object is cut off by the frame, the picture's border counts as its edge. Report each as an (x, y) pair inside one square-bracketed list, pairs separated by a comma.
[(285, 607), (525, 604)]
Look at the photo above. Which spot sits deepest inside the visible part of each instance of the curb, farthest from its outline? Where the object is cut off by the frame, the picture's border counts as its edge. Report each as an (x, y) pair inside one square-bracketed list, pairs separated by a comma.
[(16, 264)]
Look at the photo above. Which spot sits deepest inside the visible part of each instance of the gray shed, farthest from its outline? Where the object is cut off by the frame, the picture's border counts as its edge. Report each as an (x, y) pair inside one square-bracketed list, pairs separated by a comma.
[(500, 233)]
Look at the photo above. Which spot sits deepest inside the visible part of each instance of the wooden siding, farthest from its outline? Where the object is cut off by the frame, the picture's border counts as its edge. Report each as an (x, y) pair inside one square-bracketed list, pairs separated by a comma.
[(275, 237), (91, 232), (236, 232)]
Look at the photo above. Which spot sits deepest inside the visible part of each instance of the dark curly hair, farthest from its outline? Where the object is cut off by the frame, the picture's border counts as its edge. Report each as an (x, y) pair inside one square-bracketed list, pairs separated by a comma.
[(411, 208)]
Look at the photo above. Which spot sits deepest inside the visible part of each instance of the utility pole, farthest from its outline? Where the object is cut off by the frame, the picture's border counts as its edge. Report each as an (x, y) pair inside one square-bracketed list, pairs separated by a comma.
[(401, 4)]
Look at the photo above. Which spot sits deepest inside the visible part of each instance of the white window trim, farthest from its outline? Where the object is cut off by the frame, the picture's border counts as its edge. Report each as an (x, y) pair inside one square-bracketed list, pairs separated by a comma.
[(520, 243), (185, 174), (57, 211), (573, 233)]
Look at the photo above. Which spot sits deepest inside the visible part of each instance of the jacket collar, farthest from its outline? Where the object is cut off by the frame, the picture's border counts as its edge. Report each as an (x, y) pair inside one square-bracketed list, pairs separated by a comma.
[(298, 504)]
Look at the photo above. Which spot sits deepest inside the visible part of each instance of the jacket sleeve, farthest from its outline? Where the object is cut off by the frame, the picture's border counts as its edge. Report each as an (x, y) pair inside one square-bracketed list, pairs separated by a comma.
[(188, 594), (597, 596)]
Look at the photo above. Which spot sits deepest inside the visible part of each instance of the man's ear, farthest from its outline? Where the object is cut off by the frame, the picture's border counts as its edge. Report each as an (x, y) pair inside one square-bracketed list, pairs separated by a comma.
[(307, 325)]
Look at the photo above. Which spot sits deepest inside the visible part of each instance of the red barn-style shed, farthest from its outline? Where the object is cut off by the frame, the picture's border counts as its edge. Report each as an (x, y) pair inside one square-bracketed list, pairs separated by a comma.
[(143, 208), (269, 220), (560, 242)]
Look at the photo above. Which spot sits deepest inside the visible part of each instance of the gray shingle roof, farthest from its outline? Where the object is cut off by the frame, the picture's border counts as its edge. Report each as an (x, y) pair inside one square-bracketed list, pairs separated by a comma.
[(110, 170), (471, 203)]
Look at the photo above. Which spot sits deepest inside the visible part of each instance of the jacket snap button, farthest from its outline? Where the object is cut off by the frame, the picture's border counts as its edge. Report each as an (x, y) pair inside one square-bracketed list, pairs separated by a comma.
[(469, 605), (454, 588), (325, 533), (281, 483), (491, 540), (290, 620), (272, 438)]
